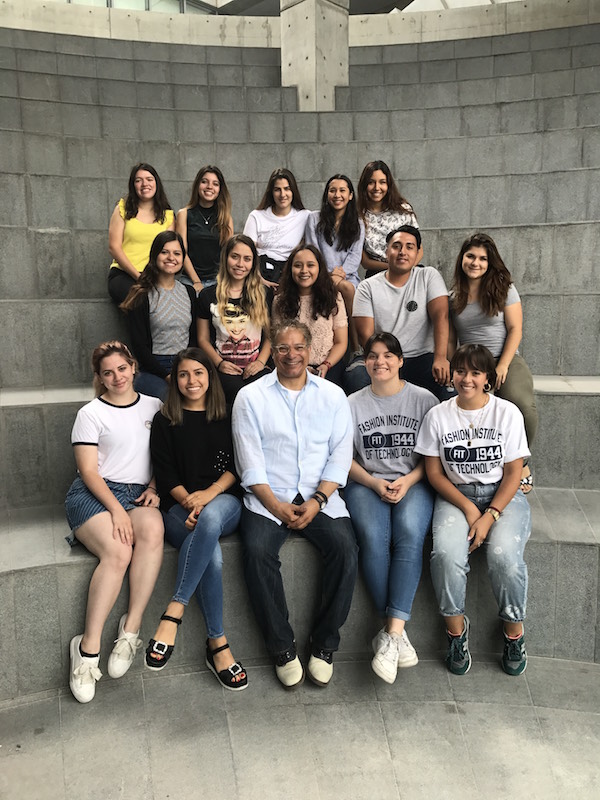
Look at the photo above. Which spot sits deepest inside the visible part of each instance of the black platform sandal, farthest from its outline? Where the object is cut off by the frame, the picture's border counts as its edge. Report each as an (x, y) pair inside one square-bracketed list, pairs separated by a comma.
[(233, 678), (158, 653)]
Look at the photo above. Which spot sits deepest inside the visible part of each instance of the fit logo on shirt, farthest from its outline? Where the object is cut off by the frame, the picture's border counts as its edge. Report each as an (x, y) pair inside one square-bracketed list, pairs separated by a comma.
[(473, 460), (388, 445)]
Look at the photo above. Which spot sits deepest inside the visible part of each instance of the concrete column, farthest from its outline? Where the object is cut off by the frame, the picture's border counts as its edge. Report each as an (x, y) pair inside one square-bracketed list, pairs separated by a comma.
[(314, 50)]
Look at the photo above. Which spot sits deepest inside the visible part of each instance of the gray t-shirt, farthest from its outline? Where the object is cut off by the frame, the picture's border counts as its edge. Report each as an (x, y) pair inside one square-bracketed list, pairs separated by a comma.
[(402, 310), (170, 319), (474, 327), (385, 429)]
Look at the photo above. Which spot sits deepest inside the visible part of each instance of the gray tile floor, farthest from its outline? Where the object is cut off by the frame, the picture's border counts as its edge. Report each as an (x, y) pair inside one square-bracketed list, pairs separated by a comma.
[(178, 735)]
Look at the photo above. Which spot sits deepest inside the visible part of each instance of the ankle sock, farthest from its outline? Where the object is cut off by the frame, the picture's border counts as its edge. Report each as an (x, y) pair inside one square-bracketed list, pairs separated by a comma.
[(83, 654)]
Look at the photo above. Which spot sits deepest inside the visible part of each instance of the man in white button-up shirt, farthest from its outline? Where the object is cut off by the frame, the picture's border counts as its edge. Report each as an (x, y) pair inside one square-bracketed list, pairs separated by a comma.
[(292, 434)]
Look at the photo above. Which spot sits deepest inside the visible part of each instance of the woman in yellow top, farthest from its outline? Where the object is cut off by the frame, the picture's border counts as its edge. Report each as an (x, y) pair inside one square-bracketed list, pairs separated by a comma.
[(134, 224)]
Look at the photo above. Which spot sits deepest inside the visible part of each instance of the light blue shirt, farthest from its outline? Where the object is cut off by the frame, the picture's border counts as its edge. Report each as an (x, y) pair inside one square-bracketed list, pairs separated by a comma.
[(348, 259), (291, 441)]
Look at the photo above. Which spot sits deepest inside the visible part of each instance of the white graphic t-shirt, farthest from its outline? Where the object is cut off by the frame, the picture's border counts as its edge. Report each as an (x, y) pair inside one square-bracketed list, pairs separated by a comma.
[(474, 454)]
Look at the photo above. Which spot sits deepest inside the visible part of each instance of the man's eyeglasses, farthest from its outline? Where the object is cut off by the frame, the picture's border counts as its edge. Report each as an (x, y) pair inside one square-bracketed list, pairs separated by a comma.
[(284, 349)]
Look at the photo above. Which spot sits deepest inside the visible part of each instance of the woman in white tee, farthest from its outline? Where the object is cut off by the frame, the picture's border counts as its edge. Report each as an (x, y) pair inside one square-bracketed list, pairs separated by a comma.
[(277, 225), (474, 445), (112, 510)]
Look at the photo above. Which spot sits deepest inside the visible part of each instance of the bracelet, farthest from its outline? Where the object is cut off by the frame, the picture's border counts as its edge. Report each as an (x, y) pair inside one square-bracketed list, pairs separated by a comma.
[(195, 282), (260, 362), (152, 489), (327, 364), (497, 510), (219, 364), (495, 514), (216, 483), (320, 496)]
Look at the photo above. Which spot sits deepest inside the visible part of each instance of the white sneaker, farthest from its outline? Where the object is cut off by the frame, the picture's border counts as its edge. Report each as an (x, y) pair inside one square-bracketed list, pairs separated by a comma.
[(385, 661), (379, 640), (126, 646), (407, 655), (84, 673)]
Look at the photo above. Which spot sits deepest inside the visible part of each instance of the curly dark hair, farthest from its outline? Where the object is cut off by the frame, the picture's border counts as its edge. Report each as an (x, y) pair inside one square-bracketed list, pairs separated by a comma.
[(323, 292), (349, 229), (495, 283), (132, 201)]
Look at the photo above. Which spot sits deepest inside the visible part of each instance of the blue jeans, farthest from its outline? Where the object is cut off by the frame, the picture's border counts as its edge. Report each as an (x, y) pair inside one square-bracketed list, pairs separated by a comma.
[(200, 560), (334, 539), (503, 547), (416, 370), (154, 385), (390, 540)]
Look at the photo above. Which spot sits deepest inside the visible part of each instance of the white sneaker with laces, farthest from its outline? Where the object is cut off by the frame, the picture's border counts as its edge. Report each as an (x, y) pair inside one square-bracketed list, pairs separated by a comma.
[(379, 640), (385, 660), (84, 673), (126, 646), (407, 655)]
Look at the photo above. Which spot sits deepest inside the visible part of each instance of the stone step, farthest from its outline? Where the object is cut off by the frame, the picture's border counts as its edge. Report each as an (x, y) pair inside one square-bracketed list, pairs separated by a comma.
[(43, 586), (57, 118), (445, 156), (452, 93)]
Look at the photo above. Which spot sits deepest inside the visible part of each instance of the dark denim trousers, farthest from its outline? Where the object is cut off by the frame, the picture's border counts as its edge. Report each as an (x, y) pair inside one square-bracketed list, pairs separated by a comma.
[(334, 539)]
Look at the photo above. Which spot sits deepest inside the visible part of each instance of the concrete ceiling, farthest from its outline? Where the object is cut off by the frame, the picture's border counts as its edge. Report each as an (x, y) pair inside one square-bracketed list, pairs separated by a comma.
[(270, 8)]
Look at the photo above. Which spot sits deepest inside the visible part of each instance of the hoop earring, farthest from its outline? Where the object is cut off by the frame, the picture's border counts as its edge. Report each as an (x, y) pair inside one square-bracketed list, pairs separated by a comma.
[(487, 387)]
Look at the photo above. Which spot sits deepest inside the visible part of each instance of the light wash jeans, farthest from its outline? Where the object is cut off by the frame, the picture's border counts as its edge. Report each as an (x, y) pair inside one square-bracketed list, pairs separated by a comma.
[(390, 539), (200, 559), (503, 547)]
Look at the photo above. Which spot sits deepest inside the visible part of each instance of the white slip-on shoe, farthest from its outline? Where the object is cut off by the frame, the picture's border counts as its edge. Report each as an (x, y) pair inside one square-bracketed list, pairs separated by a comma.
[(83, 674), (385, 661), (126, 646), (407, 655)]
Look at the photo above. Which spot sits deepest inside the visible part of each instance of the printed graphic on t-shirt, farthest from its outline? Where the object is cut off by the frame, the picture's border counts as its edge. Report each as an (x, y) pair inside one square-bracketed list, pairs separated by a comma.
[(388, 445), (237, 337), (473, 451)]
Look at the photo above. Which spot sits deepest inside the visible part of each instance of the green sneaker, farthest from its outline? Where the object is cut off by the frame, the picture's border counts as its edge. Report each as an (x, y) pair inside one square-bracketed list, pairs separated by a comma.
[(458, 657), (514, 657)]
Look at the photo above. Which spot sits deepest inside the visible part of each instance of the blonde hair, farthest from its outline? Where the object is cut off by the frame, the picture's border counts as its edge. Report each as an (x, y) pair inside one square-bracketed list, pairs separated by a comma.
[(101, 352), (252, 301)]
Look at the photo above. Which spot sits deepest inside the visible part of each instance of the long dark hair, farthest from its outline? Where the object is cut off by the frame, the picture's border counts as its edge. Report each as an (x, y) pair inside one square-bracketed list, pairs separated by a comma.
[(223, 201), (349, 229), (215, 397), (132, 201), (149, 277), (323, 292), (280, 174), (475, 356), (393, 201), (495, 282)]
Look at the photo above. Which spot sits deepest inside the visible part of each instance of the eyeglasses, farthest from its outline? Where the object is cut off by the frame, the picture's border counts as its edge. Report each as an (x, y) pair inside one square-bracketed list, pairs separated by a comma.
[(284, 349)]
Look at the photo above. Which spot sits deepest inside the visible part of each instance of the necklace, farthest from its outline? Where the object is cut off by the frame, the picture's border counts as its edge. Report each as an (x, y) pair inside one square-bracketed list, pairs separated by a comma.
[(206, 219), (473, 425)]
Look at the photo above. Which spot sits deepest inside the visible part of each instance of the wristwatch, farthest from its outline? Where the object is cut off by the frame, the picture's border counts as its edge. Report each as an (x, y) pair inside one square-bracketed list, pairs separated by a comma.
[(495, 514), (321, 499)]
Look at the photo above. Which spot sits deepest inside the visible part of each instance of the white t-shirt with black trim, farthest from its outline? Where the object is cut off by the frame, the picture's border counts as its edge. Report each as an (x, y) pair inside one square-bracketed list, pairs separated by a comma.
[(497, 439), (122, 436)]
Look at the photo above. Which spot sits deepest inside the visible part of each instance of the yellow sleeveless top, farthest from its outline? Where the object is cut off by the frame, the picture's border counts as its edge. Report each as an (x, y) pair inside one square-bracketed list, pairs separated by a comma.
[(138, 237)]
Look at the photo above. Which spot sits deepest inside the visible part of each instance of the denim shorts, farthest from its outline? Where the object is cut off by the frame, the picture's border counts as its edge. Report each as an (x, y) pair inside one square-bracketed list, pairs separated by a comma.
[(81, 504)]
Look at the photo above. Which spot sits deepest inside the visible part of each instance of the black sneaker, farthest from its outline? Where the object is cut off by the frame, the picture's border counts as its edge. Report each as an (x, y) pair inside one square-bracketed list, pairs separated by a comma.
[(514, 657), (458, 657)]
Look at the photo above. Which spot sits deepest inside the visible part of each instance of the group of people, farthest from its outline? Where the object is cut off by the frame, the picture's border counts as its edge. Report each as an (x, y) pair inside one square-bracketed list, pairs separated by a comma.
[(222, 418)]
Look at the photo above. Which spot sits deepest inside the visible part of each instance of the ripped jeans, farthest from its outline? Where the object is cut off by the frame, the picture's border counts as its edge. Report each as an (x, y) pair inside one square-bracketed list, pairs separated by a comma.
[(503, 547)]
